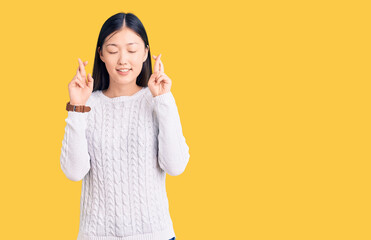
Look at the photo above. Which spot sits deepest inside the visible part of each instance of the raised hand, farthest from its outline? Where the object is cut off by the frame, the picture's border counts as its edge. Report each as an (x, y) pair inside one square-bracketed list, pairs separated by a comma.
[(159, 83), (78, 88)]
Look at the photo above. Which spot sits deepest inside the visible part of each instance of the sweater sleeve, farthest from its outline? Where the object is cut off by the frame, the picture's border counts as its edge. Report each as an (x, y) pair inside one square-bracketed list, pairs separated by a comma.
[(173, 151), (75, 159)]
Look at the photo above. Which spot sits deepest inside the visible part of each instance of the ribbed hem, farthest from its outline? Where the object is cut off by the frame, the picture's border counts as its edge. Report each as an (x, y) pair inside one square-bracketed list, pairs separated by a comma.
[(163, 235), (78, 119), (77, 115), (166, 98)]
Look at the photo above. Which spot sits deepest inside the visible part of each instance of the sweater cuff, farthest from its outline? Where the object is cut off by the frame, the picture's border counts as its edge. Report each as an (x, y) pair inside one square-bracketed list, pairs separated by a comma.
[(166, 98), (77, 116)]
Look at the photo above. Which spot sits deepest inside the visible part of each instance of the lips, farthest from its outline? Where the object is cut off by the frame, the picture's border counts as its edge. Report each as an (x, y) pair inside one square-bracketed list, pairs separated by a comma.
[(123, 69), (123, 73)]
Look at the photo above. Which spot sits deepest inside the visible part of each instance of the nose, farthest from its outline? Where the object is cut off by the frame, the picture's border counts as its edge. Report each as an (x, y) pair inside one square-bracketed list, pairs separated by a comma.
[(123, 58)]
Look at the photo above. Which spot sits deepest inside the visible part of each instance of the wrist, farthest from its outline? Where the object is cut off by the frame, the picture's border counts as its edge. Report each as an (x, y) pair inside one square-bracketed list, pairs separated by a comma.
[(77, 104), (77, 108)]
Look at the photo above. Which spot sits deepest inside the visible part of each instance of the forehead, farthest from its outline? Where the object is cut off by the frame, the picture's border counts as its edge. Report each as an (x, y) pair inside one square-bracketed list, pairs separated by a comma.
[(124, 37)]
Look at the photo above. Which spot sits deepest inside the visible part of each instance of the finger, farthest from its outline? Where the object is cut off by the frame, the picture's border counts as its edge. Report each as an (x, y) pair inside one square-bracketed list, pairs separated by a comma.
[(157, 76), (153, 77), (157, 64), (78, 75), (82, 69), (161, 67), (165, 78), (79, 80), (90, 81), (162, 78), (78, 83)]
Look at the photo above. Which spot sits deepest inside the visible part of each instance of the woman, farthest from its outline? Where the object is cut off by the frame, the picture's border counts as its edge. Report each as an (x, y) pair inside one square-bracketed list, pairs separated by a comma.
[(123, 135)]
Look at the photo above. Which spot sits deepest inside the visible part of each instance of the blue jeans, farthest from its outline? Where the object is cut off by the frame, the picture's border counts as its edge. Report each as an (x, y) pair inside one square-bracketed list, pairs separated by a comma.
[(172, 238)]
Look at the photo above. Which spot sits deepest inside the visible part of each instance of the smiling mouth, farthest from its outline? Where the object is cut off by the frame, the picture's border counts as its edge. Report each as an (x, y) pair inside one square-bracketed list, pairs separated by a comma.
[(123, 70), (123, 73)]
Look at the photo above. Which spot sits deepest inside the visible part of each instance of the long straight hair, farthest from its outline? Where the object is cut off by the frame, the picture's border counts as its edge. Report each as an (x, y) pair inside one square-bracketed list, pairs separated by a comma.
[(112, 24)]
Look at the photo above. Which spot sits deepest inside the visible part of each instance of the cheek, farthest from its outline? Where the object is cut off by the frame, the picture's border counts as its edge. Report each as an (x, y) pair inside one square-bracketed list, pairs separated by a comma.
[(110, 65), (138, 62), (138, 67)]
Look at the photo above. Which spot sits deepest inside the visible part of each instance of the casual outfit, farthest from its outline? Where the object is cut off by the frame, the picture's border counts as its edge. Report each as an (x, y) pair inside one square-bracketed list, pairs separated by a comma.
[(121, 150)]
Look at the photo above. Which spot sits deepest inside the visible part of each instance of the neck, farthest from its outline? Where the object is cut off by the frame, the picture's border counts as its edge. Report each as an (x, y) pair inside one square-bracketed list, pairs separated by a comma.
[(117, 91)]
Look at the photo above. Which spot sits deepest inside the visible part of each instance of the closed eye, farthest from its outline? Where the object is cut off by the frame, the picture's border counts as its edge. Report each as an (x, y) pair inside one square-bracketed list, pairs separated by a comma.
[(117, 52)]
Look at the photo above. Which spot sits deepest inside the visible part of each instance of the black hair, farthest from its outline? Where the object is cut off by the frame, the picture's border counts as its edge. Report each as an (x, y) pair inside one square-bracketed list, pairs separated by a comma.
[(112, 24)]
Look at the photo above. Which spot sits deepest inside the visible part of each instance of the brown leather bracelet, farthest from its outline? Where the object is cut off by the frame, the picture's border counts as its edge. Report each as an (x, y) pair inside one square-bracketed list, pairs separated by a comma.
[(77, 108)]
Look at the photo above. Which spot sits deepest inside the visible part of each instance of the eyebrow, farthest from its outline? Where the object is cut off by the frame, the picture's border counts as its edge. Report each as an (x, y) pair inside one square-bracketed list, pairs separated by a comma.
[(126, 44)]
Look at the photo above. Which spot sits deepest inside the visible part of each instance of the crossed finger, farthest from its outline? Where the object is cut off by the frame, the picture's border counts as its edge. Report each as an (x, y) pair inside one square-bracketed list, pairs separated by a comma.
[(159, 66), (161, 77), (82, 69), (81, 81)]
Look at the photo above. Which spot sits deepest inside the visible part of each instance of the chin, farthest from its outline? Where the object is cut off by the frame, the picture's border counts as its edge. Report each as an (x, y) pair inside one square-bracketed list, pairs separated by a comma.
[(121, 80)]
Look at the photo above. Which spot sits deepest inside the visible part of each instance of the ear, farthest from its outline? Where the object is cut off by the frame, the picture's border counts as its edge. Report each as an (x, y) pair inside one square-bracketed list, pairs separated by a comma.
[(100, 54), (146, 53)]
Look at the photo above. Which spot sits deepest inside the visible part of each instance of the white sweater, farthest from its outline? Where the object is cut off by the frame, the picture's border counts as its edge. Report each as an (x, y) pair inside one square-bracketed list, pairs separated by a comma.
[(122, 150)]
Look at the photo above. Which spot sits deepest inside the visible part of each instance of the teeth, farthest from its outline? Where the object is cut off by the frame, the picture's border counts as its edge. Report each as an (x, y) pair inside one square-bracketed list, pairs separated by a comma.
[(124, 70)]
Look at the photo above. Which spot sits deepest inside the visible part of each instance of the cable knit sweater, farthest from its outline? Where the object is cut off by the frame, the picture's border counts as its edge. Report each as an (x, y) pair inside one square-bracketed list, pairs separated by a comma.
[(122, 150)]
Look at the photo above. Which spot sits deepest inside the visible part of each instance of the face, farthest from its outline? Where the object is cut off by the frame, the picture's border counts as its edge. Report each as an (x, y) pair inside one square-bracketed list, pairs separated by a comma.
[(123, 49)]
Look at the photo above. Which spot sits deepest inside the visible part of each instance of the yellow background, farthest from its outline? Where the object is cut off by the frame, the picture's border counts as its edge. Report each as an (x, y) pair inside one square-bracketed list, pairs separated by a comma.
[(274, 100)]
